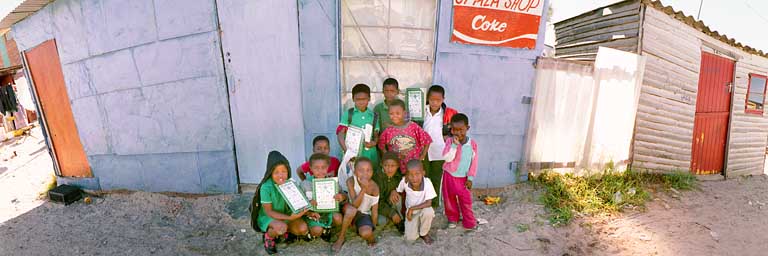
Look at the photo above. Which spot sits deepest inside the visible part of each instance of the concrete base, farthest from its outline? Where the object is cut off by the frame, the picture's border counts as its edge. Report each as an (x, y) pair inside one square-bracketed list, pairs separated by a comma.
[(83, 183)]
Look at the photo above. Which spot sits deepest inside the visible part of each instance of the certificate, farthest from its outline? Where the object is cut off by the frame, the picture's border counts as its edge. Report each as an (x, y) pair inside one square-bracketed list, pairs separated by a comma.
[(354, 140), (415, 100), (293, 196), (324, 191)]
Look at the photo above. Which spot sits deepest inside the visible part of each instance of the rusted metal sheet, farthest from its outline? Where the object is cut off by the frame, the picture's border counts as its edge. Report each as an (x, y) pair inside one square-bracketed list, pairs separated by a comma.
[(43, 63), (710, 129)]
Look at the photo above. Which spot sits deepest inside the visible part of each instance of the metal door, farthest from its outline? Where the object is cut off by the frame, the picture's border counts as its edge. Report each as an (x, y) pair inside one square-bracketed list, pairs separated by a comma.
[(713, 103), (45, 71), (260, 41)]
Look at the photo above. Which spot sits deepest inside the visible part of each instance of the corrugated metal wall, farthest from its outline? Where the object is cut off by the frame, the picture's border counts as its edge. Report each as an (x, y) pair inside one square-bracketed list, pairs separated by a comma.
[(616, 26)]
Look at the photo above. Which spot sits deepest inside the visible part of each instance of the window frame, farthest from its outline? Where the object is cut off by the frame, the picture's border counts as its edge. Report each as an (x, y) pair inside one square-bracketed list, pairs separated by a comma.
[(378, 60), (746, 98)]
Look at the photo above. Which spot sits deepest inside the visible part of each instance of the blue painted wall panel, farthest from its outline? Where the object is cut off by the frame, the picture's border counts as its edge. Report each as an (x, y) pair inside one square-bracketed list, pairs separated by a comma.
[(488, 83), (318, 22)]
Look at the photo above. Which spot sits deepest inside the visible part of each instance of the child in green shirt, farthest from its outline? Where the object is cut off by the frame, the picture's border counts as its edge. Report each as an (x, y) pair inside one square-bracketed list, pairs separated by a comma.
[(321, 227), (269, 211), (390, 89), (361, 116)]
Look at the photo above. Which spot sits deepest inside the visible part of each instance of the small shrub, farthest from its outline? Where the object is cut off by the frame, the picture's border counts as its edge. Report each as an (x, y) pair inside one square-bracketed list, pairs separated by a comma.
[(604, 193)]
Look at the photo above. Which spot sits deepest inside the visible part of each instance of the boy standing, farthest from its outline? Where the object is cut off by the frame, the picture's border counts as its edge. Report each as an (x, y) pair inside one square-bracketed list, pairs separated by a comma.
[(391, 89), (361, 116), (437, 125), (418, 202), (320, 145), (460, 167)]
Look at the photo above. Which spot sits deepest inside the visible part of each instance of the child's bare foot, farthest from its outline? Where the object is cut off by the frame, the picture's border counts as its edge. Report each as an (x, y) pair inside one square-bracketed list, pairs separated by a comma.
[(337, 245), (427, 239)]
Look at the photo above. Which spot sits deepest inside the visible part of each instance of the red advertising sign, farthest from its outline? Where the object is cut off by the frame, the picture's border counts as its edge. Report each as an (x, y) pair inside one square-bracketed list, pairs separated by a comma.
[(502, 23)]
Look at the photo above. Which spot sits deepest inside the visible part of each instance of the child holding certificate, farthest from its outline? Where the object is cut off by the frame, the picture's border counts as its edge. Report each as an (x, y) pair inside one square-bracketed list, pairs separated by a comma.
[(270, 210), (321, 227), (405, 138), (363, 117)]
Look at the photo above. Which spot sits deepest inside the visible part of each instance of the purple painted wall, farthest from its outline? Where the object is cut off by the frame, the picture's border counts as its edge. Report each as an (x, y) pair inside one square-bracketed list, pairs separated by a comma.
[(488, 84)]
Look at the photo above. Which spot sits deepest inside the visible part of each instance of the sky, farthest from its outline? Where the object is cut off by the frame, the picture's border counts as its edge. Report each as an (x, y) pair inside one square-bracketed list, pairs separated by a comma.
[(6, 6), (739, 19)]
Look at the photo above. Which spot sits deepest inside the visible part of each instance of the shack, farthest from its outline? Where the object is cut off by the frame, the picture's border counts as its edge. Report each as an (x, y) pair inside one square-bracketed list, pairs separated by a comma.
[(701, 106)]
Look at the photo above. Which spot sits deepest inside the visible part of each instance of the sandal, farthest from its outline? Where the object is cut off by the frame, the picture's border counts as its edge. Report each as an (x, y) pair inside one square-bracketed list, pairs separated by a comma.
[(427, 239), (269, 244)]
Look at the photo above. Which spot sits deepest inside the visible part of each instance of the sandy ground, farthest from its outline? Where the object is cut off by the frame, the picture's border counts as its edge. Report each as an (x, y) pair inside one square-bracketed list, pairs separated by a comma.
[(25, 167), (720, 218)]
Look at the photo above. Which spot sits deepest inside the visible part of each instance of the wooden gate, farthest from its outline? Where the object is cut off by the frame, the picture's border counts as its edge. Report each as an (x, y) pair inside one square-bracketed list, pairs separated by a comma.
[(45, 70), (713, 104)]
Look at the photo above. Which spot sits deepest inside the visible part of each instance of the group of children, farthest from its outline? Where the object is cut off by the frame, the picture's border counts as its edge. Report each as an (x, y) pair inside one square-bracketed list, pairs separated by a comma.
[(417, 161)]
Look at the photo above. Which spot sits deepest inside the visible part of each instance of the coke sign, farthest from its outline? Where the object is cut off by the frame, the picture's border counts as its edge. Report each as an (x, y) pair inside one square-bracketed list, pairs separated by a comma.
[(503, 23)]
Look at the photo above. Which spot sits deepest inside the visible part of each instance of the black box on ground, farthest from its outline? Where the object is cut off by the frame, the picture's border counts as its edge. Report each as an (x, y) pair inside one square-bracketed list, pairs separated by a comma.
[(65, 194)]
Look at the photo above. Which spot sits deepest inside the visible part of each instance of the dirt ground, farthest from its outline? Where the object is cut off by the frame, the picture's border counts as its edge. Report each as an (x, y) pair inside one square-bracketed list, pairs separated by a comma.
[(720, 218)]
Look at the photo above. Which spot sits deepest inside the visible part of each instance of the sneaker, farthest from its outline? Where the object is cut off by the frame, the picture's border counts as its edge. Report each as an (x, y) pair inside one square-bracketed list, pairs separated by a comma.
[(326, 236), (451, 225), (269, 244), (470, 230), (290, 238)]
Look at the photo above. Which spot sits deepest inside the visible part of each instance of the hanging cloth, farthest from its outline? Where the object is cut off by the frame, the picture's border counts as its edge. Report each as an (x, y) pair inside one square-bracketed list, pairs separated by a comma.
[(8, 99)]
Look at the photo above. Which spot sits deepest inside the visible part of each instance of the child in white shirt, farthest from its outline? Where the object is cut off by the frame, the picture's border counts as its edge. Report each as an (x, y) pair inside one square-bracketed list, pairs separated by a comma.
[(419, 193)]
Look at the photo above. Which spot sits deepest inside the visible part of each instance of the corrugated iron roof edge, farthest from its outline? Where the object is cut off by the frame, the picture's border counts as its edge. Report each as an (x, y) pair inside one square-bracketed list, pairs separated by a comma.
[(688, 20)]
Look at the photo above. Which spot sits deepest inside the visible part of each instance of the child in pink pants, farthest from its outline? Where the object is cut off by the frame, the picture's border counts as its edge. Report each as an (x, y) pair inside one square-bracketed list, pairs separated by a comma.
[(460, 167)]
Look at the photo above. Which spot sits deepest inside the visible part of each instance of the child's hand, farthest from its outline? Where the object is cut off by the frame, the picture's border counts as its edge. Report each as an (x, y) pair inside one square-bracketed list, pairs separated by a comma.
[(468, 184), (409, 214), (313, 215), (396, 218), (394, 197), (313, 203), (338, 197), (296, 216), (370, 144)]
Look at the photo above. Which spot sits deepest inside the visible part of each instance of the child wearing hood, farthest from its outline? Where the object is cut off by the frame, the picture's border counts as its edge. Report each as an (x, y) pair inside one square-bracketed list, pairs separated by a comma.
[(269, 211)]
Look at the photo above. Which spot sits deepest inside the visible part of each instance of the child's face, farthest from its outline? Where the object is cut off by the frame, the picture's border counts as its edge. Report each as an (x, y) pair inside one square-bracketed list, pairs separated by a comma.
[(280, 174), (415, 176), (390, 167), (397, 115), (363, 171), (390, 92), (435, 101), (459, 130), (361, 100), (322, 147), (319, 168)]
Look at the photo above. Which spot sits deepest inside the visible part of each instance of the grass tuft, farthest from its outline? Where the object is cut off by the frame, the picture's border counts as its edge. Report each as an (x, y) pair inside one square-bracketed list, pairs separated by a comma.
[(606, 193)]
